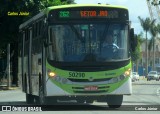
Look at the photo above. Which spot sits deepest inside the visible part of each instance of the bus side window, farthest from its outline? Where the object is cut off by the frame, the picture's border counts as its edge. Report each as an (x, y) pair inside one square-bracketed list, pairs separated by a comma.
[(36, 29)]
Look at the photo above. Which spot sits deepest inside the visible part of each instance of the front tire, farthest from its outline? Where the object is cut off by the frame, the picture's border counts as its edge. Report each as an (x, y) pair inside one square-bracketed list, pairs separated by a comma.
[(29, 99), (114, 101)]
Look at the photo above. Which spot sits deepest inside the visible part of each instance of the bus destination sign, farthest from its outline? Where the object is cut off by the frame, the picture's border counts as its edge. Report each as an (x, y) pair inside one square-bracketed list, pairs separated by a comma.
[(88, 14)]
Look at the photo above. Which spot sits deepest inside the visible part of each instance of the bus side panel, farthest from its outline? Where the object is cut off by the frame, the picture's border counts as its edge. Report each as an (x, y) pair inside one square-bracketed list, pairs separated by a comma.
[(20, 65), (20, 78), (36, 71), (25, 61)]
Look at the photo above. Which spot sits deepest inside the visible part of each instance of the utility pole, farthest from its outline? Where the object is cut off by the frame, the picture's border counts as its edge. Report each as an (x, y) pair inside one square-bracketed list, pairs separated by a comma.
[(8, 67)]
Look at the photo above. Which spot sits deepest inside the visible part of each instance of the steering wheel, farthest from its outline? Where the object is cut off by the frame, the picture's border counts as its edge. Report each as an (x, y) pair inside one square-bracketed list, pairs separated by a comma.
[(114, 47)]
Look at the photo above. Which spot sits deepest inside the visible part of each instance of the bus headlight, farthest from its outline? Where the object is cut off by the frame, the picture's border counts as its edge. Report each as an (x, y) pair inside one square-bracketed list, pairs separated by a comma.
[(122, 77), (57, 78), (61, 79), (64, 81), (114, 80)]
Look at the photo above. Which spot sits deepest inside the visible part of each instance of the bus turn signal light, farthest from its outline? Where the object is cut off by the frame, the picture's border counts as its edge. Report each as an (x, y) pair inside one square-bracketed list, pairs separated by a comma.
[(51, 74), (128, 72)]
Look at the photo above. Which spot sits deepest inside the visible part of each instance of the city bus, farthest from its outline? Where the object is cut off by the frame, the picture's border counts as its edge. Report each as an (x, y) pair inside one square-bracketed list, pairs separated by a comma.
[(64, 54)]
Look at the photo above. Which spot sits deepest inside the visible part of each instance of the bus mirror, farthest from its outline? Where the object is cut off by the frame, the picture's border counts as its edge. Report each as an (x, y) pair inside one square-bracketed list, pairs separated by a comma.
[(133, 40), (132, 33)]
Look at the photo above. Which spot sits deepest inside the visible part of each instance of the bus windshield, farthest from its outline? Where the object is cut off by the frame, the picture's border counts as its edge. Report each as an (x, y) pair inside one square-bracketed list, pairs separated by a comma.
[(88, 42)]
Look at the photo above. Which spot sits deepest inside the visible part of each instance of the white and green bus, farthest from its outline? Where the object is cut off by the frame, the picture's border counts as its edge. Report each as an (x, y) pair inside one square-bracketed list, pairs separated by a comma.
[(63, 54)]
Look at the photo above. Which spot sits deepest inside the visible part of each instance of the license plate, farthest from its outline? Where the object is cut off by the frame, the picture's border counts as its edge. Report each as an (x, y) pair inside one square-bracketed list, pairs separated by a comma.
[(91, 88)]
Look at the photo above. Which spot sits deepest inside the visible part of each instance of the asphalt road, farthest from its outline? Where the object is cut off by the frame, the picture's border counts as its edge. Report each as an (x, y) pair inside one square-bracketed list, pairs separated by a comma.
[(145, 94)]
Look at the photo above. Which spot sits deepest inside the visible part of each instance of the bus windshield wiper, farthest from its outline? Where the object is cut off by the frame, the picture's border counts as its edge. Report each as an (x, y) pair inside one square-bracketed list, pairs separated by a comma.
[(77, 33), (105, 32)]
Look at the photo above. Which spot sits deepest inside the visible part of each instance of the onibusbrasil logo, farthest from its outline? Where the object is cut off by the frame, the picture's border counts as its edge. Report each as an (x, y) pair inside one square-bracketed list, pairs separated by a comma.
[(21, 108)]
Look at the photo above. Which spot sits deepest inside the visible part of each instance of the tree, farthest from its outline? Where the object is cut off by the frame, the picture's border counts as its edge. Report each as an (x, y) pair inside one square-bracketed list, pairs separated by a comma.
[(9, 29), (9, 25), (146, 27), (136, 55), (47, 3), (154, 33), (68, 1)]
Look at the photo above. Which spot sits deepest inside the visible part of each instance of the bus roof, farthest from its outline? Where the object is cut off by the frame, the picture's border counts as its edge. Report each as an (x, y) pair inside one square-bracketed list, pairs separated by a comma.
[(85, 5), (46, 11), (34, 18)]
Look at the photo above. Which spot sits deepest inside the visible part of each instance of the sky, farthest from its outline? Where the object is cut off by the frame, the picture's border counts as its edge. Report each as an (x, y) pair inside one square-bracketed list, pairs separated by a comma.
[(136, 8)]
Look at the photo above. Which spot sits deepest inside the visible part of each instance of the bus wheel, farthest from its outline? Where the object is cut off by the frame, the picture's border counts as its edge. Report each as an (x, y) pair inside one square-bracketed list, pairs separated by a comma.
[(29, 99), (114, 101)]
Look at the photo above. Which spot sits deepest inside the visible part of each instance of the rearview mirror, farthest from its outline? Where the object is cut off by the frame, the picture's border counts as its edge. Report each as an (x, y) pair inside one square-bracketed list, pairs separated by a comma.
[(133, 40)]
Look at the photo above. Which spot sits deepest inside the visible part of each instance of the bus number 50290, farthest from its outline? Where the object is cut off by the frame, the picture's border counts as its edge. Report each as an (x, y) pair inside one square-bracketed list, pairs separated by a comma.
[(76, 74)]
